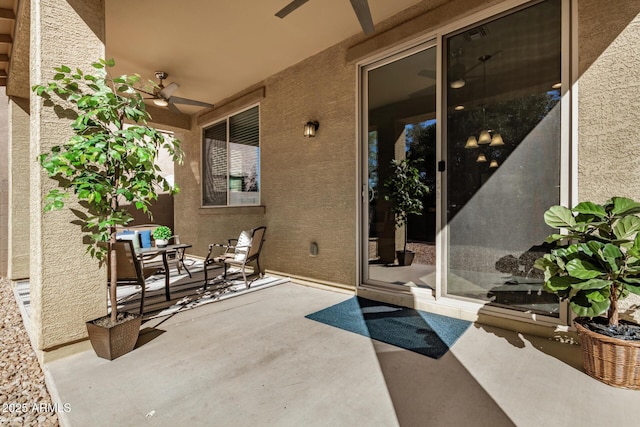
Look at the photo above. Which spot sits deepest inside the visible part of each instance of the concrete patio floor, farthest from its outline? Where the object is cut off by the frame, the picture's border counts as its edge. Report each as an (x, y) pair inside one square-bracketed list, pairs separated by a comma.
[(255, 360)]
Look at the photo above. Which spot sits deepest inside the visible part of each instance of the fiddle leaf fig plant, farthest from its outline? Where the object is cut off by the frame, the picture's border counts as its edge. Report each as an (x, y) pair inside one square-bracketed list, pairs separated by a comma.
[(405, 190), (107, 161), (600, 264)]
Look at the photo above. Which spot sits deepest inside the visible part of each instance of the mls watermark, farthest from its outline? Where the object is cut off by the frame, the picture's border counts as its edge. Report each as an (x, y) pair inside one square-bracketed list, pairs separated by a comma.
[(39, 408)]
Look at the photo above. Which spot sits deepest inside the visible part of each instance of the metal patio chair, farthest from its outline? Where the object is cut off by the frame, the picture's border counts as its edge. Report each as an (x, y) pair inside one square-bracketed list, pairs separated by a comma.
[(240, 252), (130, 270)]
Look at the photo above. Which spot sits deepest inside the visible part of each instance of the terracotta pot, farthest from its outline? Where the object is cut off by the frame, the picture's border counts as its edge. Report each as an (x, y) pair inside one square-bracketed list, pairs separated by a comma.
[(611, 360), (110, 342)]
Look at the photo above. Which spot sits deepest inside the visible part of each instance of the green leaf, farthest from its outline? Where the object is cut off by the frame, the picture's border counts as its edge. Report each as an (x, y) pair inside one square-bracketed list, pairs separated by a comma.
[(583, 306), (559, 217), (582, 269), (592, 284), (624, 206), (632, 288), (611, 254), (559, 283), (590, 208), (627, 227)]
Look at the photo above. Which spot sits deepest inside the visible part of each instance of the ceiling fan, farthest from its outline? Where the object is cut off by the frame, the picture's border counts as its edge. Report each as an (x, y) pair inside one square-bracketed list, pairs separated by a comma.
[(360, 7), (162, 95)]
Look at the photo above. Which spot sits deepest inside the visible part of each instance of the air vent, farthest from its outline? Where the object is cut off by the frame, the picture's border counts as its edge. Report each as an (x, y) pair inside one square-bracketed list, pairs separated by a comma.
[(475, 33)]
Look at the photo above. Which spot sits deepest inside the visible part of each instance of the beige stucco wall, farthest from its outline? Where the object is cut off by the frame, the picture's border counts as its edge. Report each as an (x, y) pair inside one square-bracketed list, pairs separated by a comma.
[(67, 288), (4, 182), (609, 95), (20, 162)]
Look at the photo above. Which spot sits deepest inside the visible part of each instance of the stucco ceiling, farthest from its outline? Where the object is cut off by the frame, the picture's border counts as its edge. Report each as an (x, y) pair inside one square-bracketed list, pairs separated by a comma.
[(216, 48)]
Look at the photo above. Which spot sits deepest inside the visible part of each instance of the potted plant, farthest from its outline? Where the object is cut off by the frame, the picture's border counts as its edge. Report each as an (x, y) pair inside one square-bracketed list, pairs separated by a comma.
[(161, 235), (104, 164), (405, 190), (595, 265)]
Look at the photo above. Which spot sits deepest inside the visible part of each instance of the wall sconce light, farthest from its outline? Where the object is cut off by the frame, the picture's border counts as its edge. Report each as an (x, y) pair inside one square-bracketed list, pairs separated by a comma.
[(310, 129)]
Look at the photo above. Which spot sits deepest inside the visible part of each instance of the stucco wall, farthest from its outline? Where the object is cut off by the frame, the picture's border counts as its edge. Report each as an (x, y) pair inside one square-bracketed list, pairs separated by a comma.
[(20, 162), (66, 286), (4, 182), (308, 185), (609, 93)]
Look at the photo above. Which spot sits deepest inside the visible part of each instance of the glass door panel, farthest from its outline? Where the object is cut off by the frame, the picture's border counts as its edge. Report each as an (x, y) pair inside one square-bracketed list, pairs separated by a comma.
[(400, 117), (503, 156)]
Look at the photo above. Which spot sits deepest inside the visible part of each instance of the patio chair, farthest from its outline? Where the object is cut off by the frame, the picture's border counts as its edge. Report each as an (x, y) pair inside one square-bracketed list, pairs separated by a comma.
[(129, 269), (241, 251)]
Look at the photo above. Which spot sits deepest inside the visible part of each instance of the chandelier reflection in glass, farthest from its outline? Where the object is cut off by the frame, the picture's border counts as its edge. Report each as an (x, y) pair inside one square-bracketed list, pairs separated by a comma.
[(487, 136)]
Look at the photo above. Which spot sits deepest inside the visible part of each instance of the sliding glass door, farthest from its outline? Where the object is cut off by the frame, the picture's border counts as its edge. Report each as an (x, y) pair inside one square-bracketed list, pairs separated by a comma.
[(497, 149), (503, 155), (400, 114)]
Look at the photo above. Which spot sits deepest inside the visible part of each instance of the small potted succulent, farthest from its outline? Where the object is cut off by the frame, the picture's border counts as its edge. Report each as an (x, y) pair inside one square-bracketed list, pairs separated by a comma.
[(161, 235), (405, 191), (594, 265)]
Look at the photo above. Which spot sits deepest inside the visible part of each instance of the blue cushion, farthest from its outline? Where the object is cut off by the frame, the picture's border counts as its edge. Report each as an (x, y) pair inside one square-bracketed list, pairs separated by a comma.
[(145, 238), (123, 233)]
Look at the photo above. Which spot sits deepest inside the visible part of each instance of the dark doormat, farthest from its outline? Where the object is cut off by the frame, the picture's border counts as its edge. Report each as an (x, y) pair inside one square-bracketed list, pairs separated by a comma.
[(426, 333)]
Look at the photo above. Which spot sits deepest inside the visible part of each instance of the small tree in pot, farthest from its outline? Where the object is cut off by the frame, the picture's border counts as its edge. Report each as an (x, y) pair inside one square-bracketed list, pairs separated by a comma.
[(405, 191), (599, 267), (105, 162)]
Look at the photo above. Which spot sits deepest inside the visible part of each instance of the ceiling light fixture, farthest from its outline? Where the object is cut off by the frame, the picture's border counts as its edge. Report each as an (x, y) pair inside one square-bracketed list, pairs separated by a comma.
[(160, 102)]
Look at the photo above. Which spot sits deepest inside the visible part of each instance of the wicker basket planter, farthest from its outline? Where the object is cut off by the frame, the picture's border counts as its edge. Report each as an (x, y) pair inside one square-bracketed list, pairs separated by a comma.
[(613, 361), (114, 341)]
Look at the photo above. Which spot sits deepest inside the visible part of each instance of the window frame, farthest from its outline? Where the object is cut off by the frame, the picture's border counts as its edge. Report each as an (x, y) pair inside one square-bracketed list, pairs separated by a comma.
[(226, 119)]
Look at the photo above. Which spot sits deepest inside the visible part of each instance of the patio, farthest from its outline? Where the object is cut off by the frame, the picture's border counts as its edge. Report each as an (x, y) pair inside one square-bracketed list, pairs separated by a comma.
[(256, 360)]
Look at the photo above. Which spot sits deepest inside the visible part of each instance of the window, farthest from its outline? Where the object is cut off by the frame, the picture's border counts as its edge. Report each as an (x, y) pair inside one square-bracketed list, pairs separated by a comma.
[(231, 161)]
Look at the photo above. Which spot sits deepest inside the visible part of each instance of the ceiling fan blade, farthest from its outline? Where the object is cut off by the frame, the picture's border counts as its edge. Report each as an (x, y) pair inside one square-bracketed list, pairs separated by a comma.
[(290, 8), (178, 100), (167, 91), (145, 92), (174, 108), (361, 8)]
